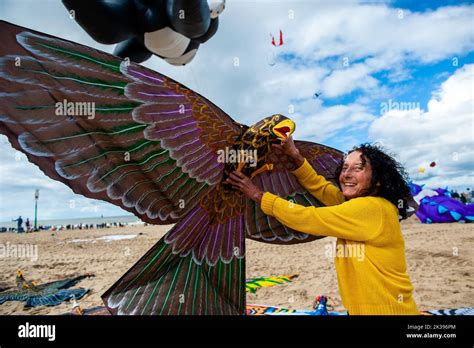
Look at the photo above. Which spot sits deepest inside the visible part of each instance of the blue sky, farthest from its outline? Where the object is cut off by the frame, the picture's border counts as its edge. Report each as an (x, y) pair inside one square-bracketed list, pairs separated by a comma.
[(361, 55)]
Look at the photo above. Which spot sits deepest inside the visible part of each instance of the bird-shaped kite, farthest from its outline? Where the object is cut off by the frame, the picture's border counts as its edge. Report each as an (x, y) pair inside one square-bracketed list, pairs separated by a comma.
[(152, 147), (47, 294)]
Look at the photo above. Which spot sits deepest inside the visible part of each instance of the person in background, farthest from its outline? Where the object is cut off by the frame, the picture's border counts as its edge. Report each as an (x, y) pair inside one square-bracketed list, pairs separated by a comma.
[(19, 222)]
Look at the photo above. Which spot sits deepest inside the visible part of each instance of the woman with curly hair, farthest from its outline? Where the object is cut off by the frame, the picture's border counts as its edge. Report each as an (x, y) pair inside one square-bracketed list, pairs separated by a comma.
[(363, 213)]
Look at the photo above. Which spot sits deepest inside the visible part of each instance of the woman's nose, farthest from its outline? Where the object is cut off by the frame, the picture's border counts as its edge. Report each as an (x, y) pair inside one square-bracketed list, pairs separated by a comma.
[(347, 173)]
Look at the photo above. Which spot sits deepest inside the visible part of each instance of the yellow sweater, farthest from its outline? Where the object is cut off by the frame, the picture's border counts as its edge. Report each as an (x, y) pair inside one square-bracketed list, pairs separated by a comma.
[(370, 250)]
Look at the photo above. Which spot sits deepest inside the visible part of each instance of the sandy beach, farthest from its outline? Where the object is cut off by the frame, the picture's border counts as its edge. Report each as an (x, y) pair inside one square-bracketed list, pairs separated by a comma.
[(439, 257)]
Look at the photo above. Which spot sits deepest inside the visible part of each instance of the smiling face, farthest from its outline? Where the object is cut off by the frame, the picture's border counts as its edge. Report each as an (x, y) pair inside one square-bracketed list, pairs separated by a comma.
[(355, 176)]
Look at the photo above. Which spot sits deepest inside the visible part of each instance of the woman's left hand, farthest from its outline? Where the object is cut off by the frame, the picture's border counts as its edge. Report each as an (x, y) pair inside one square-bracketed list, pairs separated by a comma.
[(243, 183)]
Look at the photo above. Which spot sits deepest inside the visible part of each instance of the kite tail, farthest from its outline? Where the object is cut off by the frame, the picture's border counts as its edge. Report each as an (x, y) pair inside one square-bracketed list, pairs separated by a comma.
[(164, 283)]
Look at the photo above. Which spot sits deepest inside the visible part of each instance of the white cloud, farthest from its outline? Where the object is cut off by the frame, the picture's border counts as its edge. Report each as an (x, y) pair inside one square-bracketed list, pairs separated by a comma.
[(373, 38), (443, 134), (359, 31), (323, 124), (341, 82)]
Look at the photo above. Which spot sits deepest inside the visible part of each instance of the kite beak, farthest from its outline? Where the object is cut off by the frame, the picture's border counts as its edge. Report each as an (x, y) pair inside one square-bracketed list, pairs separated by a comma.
[(284, 129)]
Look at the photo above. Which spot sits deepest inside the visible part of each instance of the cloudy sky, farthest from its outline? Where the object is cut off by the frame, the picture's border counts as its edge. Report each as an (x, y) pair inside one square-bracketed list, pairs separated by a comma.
[(400, 73)]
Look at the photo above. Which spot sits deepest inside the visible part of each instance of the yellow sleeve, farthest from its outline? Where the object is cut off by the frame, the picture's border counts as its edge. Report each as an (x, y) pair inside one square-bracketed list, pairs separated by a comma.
[(317, 185), (358, 219)]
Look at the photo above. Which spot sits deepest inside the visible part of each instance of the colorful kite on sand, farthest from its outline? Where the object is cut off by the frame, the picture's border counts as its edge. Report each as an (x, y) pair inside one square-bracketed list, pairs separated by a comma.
[(253, 284), (436, 206), (47, 294)]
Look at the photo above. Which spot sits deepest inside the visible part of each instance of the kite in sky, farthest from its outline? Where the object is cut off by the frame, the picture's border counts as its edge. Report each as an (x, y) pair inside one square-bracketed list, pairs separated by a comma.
[(119, 132), (280, 43), (170, 29)]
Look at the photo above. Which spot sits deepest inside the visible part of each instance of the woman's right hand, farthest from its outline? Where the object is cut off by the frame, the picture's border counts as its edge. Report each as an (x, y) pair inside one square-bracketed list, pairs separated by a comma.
[(288, 147)]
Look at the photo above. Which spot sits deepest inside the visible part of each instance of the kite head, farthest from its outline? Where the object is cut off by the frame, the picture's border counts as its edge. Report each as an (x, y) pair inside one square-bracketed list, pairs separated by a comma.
[(281, 127), (270, 130)]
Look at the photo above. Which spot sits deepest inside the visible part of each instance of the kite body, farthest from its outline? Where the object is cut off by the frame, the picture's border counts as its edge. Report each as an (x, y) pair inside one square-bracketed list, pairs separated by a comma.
[(152, 147)]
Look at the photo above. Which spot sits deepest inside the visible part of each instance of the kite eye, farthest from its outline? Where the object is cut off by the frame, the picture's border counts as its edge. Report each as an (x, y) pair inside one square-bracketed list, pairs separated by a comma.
[(277, 118)]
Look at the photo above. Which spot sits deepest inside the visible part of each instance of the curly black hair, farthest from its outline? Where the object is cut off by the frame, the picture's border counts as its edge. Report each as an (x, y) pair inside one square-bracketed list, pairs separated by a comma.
[(385, 169)]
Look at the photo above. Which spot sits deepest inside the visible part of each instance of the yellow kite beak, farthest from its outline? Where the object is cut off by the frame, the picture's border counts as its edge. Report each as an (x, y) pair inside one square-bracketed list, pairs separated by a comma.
[(284, 128)]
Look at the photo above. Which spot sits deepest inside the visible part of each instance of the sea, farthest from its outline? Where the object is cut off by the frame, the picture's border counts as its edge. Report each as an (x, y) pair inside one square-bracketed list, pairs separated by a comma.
[(128, 219)]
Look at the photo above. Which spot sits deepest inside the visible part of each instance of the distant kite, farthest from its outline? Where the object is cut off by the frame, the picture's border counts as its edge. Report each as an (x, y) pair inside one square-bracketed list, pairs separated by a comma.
[(281, 40)]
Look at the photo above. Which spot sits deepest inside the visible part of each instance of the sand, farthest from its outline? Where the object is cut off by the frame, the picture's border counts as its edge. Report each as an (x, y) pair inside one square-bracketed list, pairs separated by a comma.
[(439, 257)]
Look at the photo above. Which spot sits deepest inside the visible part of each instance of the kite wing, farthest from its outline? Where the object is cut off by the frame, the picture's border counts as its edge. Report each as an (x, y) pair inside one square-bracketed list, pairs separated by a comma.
[(110, 130), (45, 297), (283, 183), (150, 147), (63, 283)]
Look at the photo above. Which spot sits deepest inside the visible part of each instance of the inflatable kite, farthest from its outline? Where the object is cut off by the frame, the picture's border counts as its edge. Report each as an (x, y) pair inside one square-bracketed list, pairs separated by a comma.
[(438, 206), (48, 294), (170, 29), (130, 136)]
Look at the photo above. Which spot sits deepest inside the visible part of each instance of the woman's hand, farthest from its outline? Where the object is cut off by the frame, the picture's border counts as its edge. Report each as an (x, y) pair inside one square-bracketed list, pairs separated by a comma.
[(288, 147), (243, 183)]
